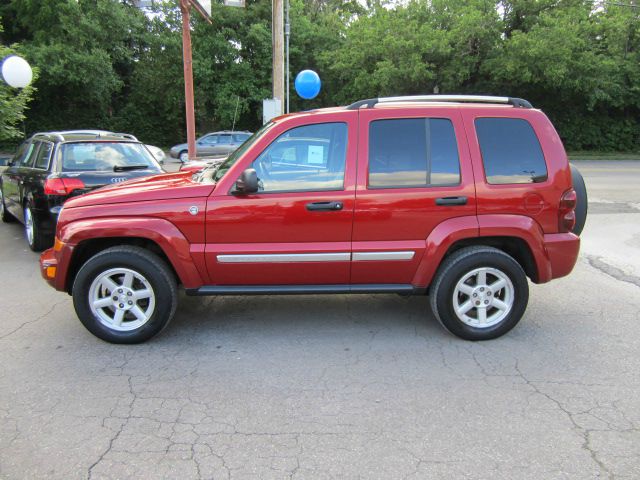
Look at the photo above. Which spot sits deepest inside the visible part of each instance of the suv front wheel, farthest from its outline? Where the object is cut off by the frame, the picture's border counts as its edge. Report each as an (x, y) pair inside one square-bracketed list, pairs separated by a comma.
[(479, 293), (125, 294)]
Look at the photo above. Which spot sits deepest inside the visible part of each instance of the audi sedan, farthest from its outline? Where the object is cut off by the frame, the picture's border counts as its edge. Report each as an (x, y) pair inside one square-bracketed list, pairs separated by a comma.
[(50, 167)]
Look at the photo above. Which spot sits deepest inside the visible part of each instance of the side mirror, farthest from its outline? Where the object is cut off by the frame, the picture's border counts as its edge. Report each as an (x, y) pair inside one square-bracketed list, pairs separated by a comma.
[(247, 183)]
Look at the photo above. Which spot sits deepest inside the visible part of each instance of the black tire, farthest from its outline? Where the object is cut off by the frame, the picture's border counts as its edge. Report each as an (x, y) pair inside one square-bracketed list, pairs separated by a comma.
[(4, 213), (144, 264), (461, 264), (183, 152), (582, 204), (33, 231)]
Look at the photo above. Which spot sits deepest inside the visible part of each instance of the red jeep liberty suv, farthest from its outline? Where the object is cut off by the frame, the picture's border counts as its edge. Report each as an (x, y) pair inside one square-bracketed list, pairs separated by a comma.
[(458, 197)]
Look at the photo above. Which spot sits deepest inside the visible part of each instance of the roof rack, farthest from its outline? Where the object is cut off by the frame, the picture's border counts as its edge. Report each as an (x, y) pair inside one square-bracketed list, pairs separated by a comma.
[(369, 103), (126, 135), (89, 133), (49, 134)]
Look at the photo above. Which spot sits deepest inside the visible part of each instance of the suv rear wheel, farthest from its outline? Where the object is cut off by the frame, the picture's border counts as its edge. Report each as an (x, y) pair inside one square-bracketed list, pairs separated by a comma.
[(479, 293), (33, 231), (125, 295)]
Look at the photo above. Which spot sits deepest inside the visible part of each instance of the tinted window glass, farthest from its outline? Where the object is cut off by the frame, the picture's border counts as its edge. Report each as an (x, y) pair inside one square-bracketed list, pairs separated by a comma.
[(25, 158), (105, 156), (224, 139), (412, 152), (510, 151), (42, 158), (307, 158)]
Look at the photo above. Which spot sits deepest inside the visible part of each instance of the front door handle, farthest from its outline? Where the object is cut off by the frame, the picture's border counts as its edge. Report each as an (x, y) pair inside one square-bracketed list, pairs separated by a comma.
[(447, 201), (324, 206)]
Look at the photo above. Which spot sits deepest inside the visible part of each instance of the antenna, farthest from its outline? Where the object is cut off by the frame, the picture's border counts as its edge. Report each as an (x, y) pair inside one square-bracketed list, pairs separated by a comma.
[(236, 113)]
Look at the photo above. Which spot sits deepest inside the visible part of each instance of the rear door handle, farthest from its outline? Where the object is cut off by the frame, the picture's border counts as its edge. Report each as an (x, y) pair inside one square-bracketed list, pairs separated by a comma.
[(447, 201), (324, 206)]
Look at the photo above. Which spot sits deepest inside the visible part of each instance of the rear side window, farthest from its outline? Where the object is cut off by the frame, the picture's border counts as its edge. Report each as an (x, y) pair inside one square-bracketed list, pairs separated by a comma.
[(413, 152), (24, 156), (42, 159), (511, 152)]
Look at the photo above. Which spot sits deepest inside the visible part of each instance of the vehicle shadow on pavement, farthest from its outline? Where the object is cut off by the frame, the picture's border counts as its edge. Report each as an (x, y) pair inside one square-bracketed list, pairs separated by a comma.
[(304, 315)]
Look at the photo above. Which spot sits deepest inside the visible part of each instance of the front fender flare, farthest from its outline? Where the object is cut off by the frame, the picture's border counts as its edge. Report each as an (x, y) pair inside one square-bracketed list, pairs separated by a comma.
[(164, 233)]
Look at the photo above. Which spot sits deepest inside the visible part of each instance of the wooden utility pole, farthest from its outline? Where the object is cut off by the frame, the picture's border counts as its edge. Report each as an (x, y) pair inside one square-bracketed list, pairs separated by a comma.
[(277, 32), (187, 60)]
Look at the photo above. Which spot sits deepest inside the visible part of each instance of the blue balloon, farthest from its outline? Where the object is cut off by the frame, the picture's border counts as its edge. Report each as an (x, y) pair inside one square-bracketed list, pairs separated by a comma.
[(308, 84)]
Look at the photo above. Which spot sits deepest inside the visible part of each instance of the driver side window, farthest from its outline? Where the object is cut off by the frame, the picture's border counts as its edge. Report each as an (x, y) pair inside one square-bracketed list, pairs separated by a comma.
[(308, 158)]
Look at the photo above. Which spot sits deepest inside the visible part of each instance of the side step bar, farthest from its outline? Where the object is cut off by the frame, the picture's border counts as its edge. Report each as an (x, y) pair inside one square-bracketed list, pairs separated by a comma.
[(303, 289)]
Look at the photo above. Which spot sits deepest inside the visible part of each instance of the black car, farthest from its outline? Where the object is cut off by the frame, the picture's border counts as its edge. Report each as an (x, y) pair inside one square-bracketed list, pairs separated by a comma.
[(50, 167)]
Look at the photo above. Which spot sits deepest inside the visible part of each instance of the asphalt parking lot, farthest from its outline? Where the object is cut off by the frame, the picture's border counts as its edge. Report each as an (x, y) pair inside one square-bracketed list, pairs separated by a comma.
[(335, 386)]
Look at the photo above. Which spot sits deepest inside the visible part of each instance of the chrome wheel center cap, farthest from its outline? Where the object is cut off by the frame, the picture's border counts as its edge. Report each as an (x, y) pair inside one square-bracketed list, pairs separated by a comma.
[(122, 298)]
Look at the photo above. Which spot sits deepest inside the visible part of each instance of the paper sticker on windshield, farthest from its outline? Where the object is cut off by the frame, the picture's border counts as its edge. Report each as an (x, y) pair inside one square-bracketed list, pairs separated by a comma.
[(316, 155)]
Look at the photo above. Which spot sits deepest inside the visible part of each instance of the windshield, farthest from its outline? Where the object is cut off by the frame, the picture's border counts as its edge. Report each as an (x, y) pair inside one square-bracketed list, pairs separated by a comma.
[(220, 170), (105, 157)]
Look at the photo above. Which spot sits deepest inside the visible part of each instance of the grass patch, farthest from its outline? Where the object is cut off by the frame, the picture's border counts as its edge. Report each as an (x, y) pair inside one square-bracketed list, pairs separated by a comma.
[(595, 155)]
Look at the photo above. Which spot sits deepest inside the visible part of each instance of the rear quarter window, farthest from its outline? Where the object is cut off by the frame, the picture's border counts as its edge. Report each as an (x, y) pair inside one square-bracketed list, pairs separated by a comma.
[(511, 152)]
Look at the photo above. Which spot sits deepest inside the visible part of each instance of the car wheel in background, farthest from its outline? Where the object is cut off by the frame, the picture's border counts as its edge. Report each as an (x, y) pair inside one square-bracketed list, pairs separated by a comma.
[(4, 214), (582, 203), (33, 231), (125, 294), (184, 156), (479, 293)]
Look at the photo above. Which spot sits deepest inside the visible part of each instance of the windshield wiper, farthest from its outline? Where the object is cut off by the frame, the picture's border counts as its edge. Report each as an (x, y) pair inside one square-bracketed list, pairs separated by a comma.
[(126, 168)]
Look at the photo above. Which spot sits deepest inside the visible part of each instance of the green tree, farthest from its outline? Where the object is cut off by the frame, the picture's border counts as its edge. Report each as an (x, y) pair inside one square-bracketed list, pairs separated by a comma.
[(13, 103)]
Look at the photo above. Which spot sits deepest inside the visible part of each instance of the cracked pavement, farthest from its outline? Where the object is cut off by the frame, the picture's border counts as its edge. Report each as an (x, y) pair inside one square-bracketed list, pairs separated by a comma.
[(323, 387)]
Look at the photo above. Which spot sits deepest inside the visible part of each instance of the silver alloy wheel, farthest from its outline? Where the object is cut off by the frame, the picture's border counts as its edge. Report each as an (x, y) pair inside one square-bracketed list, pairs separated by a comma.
[(184, 157), (121, 299), (483, 297), (28, 225)]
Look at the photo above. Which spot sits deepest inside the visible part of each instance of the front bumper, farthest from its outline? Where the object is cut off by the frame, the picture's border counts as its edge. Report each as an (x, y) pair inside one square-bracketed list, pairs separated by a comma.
[(54, 265), (49, 266)]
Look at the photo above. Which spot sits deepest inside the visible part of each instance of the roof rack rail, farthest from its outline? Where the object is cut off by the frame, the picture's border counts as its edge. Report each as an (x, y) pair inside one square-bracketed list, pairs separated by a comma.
[(126, 135), (49, 134), (516, 102)]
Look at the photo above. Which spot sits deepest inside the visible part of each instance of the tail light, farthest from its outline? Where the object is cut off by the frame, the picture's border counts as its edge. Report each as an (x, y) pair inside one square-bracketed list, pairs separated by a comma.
[(62, 186), (566, 213)]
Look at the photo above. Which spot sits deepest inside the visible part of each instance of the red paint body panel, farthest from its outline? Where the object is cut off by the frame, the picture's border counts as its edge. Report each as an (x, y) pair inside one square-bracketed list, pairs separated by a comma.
[(280, 222), (155, 188), (563, 249)]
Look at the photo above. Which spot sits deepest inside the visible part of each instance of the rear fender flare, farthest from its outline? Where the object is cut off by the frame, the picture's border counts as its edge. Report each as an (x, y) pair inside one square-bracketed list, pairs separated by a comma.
[(525, 228), (164, 233), (447, 233), (438, 242)]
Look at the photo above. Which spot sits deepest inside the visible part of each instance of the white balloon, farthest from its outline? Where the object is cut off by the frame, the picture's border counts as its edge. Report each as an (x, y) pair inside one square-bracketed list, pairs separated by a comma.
[(16, 71)]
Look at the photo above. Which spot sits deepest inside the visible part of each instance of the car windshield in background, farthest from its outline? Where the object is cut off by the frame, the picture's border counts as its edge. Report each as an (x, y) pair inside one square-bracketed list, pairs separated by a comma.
[(105, 157)]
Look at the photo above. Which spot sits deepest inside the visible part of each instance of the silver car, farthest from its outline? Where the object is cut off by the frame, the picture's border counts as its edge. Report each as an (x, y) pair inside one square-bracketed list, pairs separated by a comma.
[(212, 144)]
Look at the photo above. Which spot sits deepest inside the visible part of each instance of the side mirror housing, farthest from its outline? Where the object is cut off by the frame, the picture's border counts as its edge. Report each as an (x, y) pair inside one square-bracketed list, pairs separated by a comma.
[(247, 183)]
